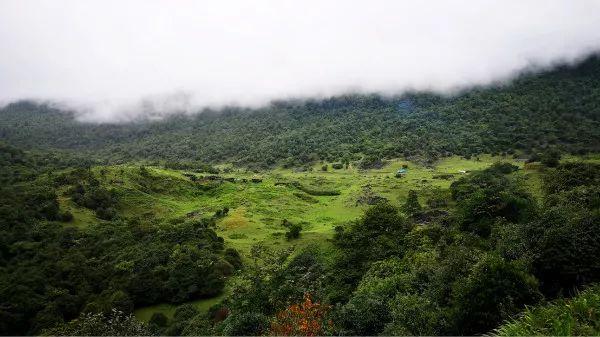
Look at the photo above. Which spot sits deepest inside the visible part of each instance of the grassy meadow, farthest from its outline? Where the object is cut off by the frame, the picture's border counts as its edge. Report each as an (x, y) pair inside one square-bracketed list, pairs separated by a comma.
[(259, 202)]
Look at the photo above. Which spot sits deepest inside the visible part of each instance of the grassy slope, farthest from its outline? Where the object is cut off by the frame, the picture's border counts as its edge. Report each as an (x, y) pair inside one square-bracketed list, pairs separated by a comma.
[(579, 316), (257, 209)]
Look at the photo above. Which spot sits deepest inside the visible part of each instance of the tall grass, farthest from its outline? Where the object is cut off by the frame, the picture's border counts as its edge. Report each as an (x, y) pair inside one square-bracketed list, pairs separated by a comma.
[(578, 316)]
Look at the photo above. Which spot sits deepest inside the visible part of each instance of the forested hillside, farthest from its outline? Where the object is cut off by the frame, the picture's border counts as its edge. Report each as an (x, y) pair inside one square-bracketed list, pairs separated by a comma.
[(435, 251), (558, 109), (354, 215)]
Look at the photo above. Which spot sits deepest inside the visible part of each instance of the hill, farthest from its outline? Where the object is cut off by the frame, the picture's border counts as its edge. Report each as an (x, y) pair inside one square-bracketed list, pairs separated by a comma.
[(354, 215), (457, 247), (556, 109)]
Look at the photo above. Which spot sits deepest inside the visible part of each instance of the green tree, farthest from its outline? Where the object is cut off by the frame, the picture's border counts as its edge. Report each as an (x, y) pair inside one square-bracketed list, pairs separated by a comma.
[(551, 158), (412, 206), (112, 324), (493, 292), (293, 231)]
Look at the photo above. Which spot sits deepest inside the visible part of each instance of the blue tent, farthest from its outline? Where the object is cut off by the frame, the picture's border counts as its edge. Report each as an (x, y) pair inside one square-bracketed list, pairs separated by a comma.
[(402, 171)]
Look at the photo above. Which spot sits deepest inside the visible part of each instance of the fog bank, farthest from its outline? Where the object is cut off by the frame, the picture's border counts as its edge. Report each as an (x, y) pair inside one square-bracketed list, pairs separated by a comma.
[(118, 60)]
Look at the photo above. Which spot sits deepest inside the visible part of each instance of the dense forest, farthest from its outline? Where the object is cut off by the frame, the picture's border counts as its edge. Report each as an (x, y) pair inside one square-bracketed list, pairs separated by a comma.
[(461, 262), (512, 248), (557, 109), (52, 273)]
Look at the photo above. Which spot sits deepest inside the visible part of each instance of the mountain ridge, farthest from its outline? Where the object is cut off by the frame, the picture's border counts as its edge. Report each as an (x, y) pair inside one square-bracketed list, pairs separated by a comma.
[(557, 109)]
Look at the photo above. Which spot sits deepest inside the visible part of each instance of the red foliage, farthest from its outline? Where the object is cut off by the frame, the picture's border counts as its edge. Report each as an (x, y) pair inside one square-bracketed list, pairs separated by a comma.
[(220, 314), (305, 319)]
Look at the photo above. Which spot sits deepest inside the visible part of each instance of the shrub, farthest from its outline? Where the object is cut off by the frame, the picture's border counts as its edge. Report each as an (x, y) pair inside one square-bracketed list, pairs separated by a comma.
[(245, 324), (411, 206), (551, 158), (158, 319), (305, 319), (113, 324), (233, 257), (185, 312), (66, 216), (494, 291), (293, 231), (579, 316)]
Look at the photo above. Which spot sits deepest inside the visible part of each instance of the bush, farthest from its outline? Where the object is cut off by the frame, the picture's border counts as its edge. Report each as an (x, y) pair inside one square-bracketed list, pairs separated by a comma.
[(494, 291), (106, 213), (551, 158), (412, 206), (158, 319), (293, 231), (503, 168), (233, 257), (413, 315), (113, 324), (184, 313), (304, 319), (245, 324), (371, 162), (578, 316), (66, 216)]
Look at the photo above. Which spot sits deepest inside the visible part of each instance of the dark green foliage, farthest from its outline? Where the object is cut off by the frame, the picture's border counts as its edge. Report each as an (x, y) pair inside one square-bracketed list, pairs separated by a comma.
[(199, 325), (557, 109), (377, 235), (367, 311), (563, 245), (221, 213), (245, 324), (88, 193), (494, 291), (163, 265), (551, 158), (502, 168), (51, 275), (158, 319), (461, 266), (411, 206), (233, 257), (66, 216), (293, 231), (314, 191), (563, 242), (371, 162), (272, 282), (484, 196), (195, 166), (112, 324), (570, 175), (185, 312), (578, 316), (447, 281)]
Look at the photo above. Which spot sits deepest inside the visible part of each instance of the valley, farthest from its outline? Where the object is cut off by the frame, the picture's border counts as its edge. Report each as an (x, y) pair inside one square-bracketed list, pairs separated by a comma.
[(419, 214), (257, 209)]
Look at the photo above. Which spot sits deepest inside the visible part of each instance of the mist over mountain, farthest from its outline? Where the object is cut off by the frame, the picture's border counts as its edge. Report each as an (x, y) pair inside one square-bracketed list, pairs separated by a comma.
[(115, 61), (300, 168), (557, 109)]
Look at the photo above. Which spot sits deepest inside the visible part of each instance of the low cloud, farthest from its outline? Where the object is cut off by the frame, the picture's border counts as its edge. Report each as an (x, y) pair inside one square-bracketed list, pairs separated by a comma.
[(119, 60)]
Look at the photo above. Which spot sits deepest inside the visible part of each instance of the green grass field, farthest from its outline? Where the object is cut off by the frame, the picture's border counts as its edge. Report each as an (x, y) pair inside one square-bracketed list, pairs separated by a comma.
[(257, 209), (144, 314)]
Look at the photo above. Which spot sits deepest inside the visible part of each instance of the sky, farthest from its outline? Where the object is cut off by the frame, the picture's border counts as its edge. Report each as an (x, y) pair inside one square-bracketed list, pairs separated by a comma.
[(119, 60)]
